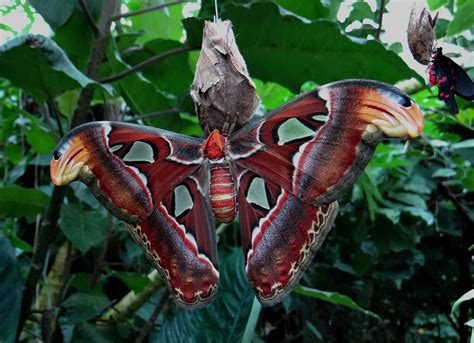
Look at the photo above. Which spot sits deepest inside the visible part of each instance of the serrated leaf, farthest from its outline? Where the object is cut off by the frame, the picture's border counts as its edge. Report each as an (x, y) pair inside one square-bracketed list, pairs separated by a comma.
[(85, 229), (17, 201), (38, 65), (225, 319), (332, 297), (10, 291)]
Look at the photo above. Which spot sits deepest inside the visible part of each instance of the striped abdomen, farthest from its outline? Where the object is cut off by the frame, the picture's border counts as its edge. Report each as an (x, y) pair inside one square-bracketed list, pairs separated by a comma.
[(222, 192)]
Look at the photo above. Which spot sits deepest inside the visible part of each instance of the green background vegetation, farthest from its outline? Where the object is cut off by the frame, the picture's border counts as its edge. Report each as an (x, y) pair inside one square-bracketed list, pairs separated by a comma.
[(391, 269)]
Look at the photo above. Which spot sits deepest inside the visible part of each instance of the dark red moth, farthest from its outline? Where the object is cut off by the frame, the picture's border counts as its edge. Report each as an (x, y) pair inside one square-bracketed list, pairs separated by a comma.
[(281, 173), (451, 79)]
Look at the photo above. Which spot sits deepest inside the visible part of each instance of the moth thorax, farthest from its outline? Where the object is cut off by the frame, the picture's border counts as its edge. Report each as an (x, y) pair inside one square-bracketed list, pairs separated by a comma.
[(222, 191)]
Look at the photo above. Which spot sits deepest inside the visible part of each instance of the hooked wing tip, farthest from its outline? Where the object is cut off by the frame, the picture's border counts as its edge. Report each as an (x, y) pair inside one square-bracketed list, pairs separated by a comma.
[(379, 104)]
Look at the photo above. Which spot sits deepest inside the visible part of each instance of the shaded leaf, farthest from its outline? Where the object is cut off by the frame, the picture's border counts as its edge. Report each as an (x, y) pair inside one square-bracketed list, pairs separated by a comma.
[(444, 172), (249, 332), (76, 39), (463, 19), (332, 297), (41, 141), (56, 13), (10, 291), (38, 65), (84, 305), (85, 229), (225, 319), (321, 53), (17, 201), (468, 296), (171, 74)]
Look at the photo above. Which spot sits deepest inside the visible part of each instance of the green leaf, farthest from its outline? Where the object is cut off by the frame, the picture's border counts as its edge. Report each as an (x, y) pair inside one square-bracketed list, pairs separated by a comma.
[(164, 23), (56, 13), (67, 102), (435, 4), (139, 93), (76, 39), (300, 51), (309, 9), (85, 229), (465, 297), (171, 74), (13, 153), (10, 291), (332, 297), (88, 333), (41, 141), (463, 19), (272, 94), (84, 305), (249, 332), (444, 172), (136, 282), (227, 316), (468, 143), (38, 65), (17, 201)]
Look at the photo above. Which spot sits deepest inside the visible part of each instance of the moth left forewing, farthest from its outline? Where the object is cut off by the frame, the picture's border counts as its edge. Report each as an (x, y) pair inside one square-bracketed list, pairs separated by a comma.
[(179, 237), (316, 146), (280, 235), (129, 168)]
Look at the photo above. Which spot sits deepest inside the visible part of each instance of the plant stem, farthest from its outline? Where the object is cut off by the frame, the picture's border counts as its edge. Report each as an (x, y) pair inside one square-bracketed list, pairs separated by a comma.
[(152, 115), (48, 229), (90, 19), (144, 64), (149, 324), (146, 10), (380, 18)]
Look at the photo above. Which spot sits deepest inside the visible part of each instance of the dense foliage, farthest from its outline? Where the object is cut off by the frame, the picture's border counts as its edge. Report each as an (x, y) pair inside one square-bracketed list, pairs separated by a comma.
[(391, 269)]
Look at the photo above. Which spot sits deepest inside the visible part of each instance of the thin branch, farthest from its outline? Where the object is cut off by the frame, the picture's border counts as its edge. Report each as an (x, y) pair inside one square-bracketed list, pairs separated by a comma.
[(89, 18), (380, 18), (151, 322), (130, 303), (49, 229), (99, 261), (152, 115), (146, 10), (54, 110), (457, 203), (145, 63), (98, 48)]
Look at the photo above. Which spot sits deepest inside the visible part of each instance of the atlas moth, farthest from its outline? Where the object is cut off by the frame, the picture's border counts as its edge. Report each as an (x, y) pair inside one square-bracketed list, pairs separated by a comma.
[(281, 174)]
